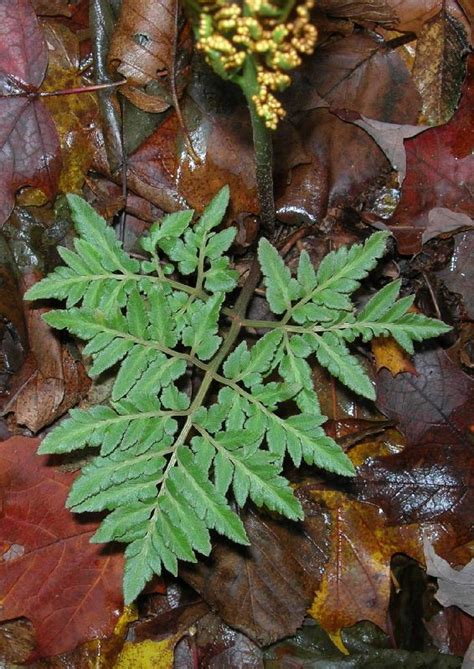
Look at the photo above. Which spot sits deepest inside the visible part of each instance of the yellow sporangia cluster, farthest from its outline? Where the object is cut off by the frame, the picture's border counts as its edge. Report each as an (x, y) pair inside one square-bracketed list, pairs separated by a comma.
[(229, 33)]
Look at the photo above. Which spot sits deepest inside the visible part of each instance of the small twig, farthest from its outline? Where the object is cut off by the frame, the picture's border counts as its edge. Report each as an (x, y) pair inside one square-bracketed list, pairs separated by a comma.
[(123, 214), (288, 242), (400, 41), (74, 91), (432, 295)]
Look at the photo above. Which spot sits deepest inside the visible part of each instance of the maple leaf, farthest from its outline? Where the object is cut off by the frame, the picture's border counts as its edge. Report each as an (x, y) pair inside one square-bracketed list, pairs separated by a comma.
[(50, 573), (440, 166), (439, 397), (29, 146)]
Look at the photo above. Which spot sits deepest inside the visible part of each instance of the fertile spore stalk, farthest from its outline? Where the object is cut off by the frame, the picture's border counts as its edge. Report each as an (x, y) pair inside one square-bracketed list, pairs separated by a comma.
[(255, 44)]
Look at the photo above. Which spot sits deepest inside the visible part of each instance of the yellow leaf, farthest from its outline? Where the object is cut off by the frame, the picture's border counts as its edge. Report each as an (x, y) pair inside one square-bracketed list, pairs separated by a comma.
[(338, 642), (148, 654), (390, 355), (75, 115)]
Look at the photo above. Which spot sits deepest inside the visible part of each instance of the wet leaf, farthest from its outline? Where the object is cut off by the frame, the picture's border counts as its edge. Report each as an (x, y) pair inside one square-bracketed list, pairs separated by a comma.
[(440, 166), (355, 73), (29, 147), (389, 136), (459, 274), (147, 654), (366, 647), (80, 594), (102, 21), (76, 115), (434, 405), (17, 641), (52, 378), (165, 172), (356, 581), (13, 337), (423, 483)]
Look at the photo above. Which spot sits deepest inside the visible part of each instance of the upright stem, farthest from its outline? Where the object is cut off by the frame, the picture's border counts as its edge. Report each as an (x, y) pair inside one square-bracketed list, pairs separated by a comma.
[(262, 141)]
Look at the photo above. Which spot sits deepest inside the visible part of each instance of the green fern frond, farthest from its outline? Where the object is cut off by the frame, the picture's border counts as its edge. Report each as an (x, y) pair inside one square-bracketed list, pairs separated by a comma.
[(170, 458)]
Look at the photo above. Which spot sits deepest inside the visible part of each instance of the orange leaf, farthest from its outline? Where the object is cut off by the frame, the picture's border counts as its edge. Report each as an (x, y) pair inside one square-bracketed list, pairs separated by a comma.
[(390, 355)]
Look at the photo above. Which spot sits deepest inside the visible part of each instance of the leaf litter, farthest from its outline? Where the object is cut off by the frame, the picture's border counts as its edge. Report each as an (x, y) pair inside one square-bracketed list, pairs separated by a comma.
[(328, 174)]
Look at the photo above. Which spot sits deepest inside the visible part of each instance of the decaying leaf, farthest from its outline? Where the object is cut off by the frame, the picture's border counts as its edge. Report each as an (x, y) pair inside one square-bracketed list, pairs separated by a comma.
[(163, 169), (156, 654), (444, 221), (354, 73), (390, 355), (439, 66), (363, 645), (144, 49), (389, 136), (412, 15), (459, 274), (76, 115), (423, 483), (46, 378)]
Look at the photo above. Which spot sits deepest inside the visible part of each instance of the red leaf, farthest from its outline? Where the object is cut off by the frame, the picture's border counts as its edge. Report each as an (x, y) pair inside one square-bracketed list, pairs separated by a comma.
[(29, 146), (439, 174), (426, 483), (49, 572), (434, 406)]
